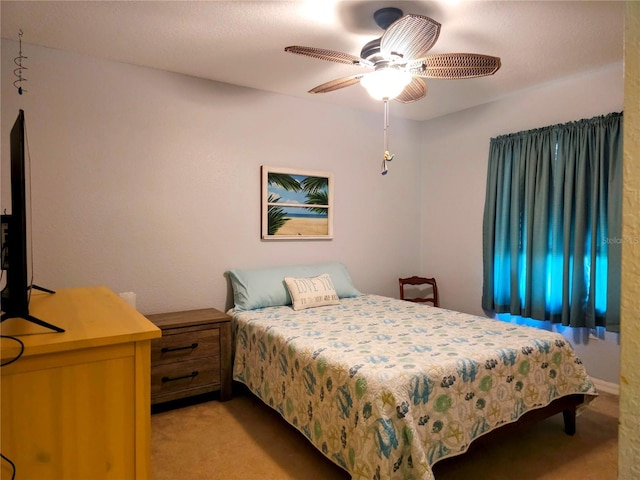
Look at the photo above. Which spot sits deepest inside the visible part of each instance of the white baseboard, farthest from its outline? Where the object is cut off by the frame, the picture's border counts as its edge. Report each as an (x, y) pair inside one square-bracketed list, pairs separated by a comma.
[(607, 387)]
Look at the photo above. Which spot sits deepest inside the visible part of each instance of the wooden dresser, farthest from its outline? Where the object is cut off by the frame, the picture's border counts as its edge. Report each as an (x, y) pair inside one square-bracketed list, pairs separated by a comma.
[(192, 357), (76, 404)]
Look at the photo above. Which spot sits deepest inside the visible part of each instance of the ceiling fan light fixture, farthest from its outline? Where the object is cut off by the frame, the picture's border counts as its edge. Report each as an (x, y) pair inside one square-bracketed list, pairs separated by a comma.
[(386, 83)]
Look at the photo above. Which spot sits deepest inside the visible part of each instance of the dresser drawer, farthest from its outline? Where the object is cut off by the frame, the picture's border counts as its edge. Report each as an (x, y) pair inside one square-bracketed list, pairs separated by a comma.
[(198, 374), (177, 347)]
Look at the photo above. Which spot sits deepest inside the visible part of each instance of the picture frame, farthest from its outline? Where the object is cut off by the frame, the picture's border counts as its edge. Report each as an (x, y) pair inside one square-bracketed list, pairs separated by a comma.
[(296, 204)]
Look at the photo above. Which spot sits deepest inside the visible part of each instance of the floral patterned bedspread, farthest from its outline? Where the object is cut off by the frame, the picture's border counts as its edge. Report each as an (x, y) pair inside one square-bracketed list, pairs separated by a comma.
[(385, 388)]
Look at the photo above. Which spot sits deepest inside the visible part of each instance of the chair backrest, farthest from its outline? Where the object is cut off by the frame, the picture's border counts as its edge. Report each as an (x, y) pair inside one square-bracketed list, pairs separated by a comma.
[(420, 282)]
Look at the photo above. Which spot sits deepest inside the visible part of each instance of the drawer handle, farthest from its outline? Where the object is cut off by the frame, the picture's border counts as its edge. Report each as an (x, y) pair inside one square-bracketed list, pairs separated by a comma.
[(169, 379), (175, 349)]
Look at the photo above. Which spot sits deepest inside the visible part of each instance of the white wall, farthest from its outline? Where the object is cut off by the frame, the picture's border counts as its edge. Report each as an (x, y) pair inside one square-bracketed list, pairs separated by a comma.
[(149, 181), (456, 149)]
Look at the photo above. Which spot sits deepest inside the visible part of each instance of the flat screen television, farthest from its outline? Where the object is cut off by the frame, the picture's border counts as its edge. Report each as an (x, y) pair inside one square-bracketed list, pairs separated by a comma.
[(15, 295)]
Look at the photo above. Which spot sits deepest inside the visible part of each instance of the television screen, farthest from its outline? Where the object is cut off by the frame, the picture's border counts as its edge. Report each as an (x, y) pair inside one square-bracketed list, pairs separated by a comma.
[(15, 295)]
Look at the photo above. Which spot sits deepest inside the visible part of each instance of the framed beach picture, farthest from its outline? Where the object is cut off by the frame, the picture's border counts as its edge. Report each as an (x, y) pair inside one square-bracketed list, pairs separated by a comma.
[(296, 204)]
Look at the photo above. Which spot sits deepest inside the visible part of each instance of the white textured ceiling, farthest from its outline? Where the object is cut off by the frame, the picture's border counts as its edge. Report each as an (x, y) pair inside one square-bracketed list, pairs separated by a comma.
[(242, 42)]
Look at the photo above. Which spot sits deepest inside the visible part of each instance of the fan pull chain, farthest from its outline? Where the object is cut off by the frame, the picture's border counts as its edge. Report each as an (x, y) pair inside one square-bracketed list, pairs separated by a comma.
[(20, 68), (387, 156)]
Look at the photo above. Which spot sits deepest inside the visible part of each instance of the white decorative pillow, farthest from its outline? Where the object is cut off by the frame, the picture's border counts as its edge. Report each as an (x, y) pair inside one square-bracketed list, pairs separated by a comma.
[(311, 292)]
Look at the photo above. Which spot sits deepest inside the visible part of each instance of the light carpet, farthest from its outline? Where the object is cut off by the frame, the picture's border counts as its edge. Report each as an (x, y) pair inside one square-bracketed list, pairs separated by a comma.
[(243, 439)]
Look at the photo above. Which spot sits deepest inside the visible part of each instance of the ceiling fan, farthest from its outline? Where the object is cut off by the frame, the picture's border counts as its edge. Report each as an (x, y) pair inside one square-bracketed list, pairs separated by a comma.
[(399, 59)]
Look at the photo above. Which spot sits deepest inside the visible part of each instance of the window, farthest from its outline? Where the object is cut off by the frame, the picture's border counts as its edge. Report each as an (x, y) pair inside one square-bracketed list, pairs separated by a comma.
[(552, 223)]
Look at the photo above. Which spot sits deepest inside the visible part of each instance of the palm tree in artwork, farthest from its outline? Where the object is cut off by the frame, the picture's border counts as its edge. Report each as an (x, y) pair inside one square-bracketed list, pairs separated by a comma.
[(285, 181), (318, 198), (276, 216), (315, 184), (316, 188)]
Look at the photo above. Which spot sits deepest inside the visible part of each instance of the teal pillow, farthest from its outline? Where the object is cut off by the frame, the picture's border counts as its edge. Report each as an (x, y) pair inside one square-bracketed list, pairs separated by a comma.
[(265, 287)]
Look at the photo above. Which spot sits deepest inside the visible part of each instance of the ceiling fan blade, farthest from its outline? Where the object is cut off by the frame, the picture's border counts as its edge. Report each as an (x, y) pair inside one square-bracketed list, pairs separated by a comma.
[(454, 65), (413, 92), (329, 55), (412, 36), (337, 84)]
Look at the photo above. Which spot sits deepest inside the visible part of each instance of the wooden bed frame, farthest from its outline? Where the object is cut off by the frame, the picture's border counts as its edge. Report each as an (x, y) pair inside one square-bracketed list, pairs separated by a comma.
[(568, 405)]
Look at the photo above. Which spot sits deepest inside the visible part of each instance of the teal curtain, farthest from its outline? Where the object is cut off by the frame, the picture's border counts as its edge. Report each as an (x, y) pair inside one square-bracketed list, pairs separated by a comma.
[(552, 224)]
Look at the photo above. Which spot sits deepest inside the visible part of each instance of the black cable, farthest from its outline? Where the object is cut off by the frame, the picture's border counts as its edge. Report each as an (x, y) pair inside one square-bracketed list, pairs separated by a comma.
[(19, 354), (13, 466)]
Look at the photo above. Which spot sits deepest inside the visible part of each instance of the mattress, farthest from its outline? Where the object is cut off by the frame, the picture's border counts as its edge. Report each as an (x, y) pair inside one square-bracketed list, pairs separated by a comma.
[(385, 388)]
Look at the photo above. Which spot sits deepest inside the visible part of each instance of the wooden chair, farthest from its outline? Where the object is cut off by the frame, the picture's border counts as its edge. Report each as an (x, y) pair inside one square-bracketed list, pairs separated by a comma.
[(420, 282)]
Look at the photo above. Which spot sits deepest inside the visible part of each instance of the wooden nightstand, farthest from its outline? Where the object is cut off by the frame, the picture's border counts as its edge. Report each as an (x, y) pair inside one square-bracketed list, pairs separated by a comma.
[(192, 357)]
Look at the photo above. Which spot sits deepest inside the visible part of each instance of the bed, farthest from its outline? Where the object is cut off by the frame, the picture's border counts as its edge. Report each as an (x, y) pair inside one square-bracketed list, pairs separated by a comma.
[(386, 388)]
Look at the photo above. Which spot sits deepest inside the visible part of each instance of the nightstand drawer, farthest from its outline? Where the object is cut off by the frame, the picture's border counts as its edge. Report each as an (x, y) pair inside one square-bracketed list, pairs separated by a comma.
[(185, 346), (185, 376), (193, 356)]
